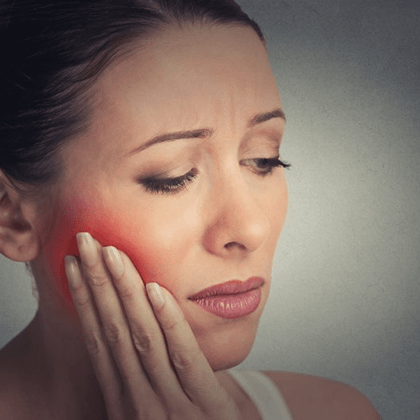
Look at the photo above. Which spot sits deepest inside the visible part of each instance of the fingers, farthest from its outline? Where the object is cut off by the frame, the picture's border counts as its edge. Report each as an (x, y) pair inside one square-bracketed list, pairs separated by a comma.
[(103, 363), (145, 330), (115, 334), (144, 353), (193, 369)]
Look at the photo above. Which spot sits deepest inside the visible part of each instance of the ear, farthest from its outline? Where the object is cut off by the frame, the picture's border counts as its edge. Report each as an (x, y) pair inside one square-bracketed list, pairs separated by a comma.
[(18, 236)]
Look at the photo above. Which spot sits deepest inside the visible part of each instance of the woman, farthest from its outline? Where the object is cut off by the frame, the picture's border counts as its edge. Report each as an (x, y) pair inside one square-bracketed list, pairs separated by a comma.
[(141, 178)]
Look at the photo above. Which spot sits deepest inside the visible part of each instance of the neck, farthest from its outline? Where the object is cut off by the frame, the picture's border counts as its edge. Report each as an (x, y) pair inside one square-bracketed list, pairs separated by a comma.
[(56, 364), (52, 357)]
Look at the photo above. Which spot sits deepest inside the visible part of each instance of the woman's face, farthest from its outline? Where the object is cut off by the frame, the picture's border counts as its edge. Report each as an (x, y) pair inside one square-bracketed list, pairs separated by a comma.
[(219, 222)]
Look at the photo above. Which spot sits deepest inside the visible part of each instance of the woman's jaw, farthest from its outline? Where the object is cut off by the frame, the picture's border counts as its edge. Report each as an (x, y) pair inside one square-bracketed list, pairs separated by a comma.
[(225, 223)]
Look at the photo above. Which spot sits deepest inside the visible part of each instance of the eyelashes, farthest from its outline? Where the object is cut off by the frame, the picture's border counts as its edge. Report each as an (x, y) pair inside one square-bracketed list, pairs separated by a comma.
[(169, 185), (261, 166), (265, 166)]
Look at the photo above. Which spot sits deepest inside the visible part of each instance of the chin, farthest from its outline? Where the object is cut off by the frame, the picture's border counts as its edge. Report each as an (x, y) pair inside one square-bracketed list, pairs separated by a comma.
[(228, 348), (227, 363)]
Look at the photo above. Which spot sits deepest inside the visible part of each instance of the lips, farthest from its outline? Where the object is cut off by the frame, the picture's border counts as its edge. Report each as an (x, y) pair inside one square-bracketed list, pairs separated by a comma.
[(231, 299)]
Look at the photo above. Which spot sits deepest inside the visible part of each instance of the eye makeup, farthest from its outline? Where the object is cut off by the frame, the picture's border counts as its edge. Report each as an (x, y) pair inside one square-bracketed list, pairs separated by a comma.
[(261, 166), (265, 166), (169, 185)]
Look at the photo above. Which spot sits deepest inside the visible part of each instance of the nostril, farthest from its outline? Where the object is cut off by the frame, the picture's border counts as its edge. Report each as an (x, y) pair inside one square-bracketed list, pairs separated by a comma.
[(234, 244)]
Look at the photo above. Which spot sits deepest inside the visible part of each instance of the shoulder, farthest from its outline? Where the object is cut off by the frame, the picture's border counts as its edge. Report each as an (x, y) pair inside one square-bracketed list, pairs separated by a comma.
[(312, 397)]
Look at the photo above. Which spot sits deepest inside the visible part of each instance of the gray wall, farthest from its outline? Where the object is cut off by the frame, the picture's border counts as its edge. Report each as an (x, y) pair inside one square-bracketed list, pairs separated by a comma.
[(346, 290), (346, 283)]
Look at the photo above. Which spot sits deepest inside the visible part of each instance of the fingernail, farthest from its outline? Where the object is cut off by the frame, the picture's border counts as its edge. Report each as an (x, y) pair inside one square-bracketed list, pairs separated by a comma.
[(114, 260), (155, 295), (87, 248), (84, 238), (72, 270)]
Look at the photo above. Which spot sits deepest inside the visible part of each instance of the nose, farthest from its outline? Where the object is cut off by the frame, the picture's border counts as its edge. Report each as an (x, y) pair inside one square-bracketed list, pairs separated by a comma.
[(237, 222)]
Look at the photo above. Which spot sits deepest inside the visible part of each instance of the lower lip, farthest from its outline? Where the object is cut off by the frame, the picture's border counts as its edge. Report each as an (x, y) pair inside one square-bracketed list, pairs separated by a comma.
[(231, 306)]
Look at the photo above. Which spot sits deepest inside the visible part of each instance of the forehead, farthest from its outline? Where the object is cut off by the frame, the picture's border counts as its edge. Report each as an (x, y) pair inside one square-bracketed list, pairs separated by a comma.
[(181, 72)]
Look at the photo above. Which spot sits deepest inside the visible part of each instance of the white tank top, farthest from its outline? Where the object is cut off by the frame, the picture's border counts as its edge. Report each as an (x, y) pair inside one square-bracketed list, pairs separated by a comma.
[(264, 394)]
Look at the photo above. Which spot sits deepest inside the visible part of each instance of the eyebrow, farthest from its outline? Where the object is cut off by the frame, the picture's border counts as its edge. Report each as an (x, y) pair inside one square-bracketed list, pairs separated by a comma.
[(206, 132), (260, 118)]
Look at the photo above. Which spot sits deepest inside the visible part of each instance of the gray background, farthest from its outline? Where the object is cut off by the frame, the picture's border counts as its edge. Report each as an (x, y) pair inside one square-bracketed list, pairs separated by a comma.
[(346, 290)]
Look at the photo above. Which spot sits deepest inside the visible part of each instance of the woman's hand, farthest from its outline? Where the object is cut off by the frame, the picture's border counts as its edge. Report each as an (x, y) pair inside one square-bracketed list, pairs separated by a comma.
[(146, 358)]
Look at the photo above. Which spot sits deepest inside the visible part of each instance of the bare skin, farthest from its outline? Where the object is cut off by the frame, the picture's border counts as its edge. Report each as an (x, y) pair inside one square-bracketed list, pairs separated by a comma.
[(308, 397), (52, 370)]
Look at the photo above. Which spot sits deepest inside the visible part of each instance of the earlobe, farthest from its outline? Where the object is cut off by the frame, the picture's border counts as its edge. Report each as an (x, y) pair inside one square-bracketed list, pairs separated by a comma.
[(18, 237)]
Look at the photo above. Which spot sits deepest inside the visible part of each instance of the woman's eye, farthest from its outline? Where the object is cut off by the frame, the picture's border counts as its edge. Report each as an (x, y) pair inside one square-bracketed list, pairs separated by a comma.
[(265, 166), (169, 185), (262, 166)]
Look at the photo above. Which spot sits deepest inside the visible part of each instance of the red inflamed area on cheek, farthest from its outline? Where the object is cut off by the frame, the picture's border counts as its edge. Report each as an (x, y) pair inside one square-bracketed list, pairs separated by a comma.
[(107, 227)]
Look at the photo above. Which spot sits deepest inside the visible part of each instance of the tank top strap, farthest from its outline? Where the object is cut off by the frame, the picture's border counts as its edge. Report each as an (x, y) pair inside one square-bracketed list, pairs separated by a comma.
[(264, 394)]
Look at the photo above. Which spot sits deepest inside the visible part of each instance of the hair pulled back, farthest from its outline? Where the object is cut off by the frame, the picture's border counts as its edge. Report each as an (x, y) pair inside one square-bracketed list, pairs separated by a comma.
[(51, 52)]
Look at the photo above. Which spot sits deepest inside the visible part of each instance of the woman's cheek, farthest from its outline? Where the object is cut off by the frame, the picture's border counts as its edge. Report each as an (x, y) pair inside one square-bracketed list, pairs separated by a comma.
[(108, 227), (153, 243)]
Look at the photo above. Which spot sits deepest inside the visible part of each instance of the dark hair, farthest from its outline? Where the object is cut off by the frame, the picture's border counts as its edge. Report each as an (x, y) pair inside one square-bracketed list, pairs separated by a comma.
[(51, 52)]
